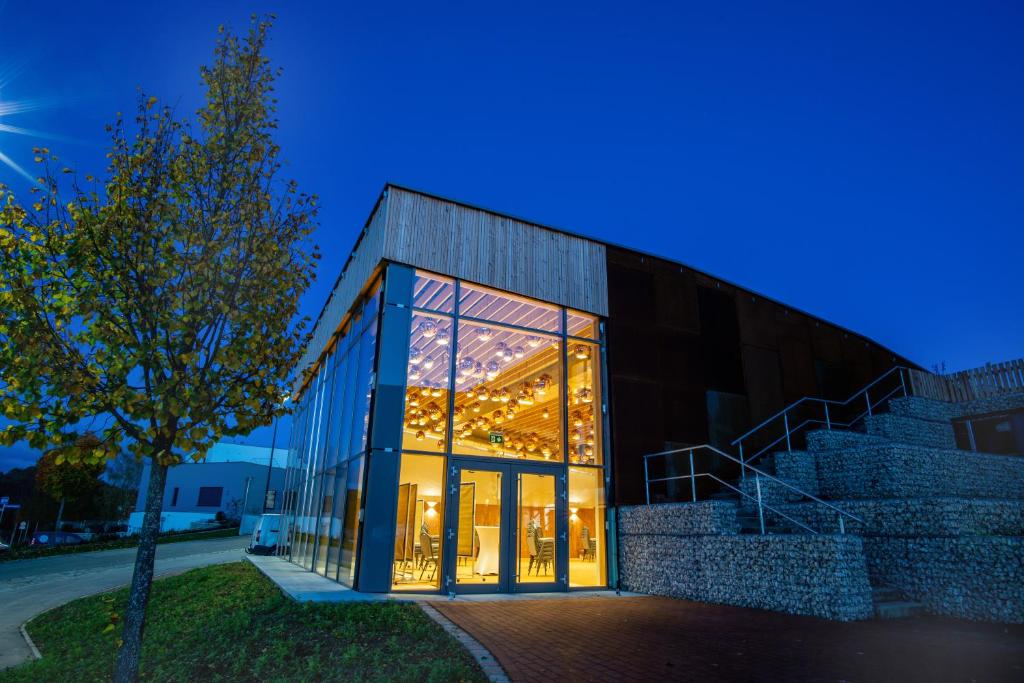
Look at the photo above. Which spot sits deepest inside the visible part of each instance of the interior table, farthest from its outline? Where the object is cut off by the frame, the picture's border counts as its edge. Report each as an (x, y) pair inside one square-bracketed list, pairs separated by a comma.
[(490, 546)]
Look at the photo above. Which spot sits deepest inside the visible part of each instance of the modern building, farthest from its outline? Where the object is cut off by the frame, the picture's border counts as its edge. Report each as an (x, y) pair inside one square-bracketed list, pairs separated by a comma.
[(234, 479), (481, 391)]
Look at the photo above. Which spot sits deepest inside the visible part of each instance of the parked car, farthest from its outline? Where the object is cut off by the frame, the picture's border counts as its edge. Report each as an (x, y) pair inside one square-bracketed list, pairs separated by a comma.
[(55, 538), (265, 535), (4, 547)]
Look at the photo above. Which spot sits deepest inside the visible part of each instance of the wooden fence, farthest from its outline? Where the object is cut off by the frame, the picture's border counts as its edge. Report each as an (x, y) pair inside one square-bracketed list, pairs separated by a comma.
[(992, 380)]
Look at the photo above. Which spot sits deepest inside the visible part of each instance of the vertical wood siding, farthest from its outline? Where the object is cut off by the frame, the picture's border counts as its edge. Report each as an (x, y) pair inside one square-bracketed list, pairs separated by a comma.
[(365, 258), (496, 251), (472, 244)]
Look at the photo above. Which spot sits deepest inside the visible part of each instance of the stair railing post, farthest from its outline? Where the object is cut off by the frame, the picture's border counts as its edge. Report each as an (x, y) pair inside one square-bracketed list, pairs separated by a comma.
[(867, 396), (647, 481), (785, 422), (970, 435), (693, 479), (842, 525), (828, 420), (760, 507), (743, 465), (903, 383)]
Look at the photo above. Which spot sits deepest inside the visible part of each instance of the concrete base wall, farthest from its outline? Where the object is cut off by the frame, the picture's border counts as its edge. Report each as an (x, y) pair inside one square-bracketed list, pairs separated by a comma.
[(823, 576)]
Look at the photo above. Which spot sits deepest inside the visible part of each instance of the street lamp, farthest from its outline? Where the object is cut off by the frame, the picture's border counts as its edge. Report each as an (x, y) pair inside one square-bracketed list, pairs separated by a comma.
[(270, 464)]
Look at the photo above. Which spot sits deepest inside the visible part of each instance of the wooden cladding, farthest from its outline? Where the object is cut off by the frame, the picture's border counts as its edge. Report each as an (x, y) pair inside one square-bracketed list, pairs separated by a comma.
[(495, 250), (992, 380), (468, 243), (359, 269)]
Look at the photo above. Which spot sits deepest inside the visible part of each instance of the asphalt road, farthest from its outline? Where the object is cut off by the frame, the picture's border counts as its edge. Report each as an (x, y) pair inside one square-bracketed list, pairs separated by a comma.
[(28, 587)]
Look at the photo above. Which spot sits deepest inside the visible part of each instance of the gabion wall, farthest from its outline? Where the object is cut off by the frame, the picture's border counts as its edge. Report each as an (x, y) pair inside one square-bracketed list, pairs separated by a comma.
[(823, 576)]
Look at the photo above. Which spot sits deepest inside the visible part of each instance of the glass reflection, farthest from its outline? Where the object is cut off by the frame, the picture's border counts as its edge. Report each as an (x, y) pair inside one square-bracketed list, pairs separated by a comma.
[(350, 539), (506, 393), (426, 396)]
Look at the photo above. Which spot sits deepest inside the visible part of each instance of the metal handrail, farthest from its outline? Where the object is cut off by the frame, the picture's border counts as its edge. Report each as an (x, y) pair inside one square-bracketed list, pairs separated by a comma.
[(745, 495), (829, 423), (794, 404), (743, 467)]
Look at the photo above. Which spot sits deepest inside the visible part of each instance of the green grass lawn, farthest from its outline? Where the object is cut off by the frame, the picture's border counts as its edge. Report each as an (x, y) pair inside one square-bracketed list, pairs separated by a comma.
[(230, 623), (29, 552)]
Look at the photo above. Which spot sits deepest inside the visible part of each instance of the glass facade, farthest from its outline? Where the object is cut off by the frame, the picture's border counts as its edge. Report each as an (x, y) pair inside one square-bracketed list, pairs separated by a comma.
[(329, 435), (419, 519), (487, 464)]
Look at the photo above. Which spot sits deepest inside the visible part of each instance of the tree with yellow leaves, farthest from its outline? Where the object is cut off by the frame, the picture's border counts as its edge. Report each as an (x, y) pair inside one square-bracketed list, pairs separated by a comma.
[(157, 310)]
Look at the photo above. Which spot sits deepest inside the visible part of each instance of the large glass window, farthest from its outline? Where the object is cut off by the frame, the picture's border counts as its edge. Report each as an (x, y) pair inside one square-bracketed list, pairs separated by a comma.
[(584, 403), (433, 292), (350, 538), (426, 398), (587, 554), (332, 420), (506, 393), (324, 522), (508, 309), (418, 523), (581, 325), (337, 520)]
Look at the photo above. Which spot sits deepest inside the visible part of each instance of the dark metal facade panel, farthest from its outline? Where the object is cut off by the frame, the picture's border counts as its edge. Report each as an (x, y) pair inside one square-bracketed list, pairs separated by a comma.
[(712, 361)]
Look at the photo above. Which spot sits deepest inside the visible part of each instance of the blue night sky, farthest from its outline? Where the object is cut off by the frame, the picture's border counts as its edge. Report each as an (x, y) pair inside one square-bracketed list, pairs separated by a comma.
[(861, 161)]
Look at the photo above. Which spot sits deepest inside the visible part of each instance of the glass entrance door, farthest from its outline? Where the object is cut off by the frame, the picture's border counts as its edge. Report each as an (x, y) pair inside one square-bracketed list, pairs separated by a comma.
[(479, 527), (505, 528)]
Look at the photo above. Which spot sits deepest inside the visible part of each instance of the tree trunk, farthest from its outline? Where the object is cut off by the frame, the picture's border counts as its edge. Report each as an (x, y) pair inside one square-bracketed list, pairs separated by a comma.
[(60, 515), (142, 578)]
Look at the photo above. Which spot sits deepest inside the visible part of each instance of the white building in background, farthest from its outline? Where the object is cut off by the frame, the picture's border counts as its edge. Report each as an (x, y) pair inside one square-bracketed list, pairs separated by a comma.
[(235, 479)]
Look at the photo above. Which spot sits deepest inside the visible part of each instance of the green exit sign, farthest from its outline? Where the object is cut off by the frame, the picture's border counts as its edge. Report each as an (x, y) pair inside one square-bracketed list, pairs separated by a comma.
[(496, 437)]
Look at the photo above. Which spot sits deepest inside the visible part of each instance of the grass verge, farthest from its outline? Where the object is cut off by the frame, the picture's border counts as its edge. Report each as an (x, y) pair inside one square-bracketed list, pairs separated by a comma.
[(28, 552), (229, 622)]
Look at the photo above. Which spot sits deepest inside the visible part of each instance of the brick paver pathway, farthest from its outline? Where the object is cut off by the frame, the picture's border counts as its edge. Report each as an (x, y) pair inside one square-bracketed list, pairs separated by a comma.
[(651, 638)]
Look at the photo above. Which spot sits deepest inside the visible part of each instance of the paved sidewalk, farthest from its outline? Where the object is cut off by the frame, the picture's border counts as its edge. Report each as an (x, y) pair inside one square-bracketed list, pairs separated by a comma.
[(303, 585), (654, 639), (28, 587)]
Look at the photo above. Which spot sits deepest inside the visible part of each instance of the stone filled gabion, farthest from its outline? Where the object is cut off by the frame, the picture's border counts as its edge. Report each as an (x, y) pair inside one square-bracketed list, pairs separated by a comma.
[(911, 430), (971, 577), (944, 527), (896, 470), (823, 576), (679, 519)]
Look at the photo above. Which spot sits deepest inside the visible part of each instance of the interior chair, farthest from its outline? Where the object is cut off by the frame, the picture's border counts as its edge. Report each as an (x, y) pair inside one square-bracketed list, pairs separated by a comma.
[(531, 545), (545, 551), (429, 555), (588, 544)]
